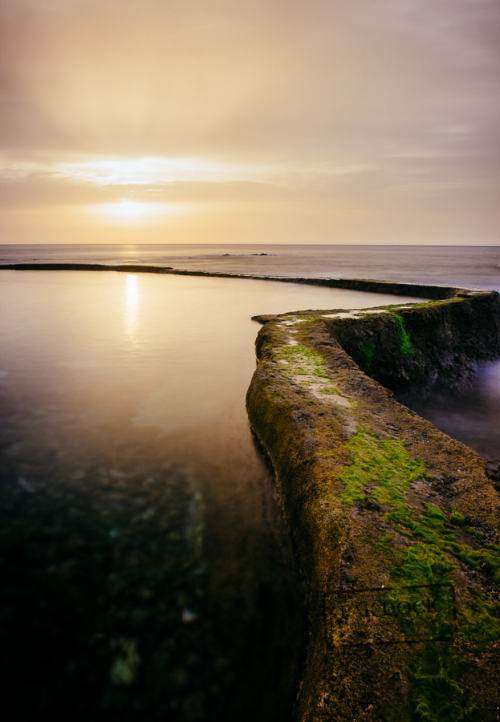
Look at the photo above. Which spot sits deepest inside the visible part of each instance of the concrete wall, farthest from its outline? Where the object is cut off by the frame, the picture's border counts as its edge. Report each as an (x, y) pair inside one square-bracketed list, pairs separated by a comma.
[(379, 499)]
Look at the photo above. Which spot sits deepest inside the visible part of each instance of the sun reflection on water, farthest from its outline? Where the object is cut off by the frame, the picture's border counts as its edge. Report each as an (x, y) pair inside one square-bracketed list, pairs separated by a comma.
[(131, 305)]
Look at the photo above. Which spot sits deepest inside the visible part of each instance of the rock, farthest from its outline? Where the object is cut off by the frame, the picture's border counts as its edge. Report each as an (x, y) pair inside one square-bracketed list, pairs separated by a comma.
[(124, 668), (372, 513)]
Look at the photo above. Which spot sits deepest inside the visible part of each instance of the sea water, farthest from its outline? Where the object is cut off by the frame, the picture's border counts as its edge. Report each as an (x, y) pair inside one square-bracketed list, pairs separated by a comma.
[(146, 569), (469, 266), (472, 416)]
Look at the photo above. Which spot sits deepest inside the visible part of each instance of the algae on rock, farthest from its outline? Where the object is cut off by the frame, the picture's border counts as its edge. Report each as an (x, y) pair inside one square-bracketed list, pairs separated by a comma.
[(382, 503)]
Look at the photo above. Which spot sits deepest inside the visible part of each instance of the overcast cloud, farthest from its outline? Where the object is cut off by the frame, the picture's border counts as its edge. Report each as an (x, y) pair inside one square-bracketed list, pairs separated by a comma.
[(352, 121)]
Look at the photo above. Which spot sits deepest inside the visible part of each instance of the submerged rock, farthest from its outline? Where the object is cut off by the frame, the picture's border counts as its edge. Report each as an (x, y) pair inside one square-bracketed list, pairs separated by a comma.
[(124, 668)]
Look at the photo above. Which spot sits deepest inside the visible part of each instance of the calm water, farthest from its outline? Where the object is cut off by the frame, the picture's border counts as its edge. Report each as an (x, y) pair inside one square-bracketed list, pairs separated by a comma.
[(473, 266), (146, 571), (472, 416)]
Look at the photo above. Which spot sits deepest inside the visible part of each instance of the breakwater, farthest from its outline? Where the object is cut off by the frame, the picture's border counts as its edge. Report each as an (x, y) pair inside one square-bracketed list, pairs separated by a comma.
[(394, 523), (366, 285)]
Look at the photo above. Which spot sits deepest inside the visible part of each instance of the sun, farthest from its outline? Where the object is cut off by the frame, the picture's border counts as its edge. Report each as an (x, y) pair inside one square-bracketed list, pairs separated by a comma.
[(127, 211)]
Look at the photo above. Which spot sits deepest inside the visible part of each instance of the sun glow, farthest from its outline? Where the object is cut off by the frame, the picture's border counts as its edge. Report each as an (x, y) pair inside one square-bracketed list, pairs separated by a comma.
[(127, 211), (147, 171)]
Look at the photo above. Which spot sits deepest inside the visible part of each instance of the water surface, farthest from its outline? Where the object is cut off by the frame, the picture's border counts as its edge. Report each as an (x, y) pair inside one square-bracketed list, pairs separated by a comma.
[(470, 414), (146, 570), (467, 266)]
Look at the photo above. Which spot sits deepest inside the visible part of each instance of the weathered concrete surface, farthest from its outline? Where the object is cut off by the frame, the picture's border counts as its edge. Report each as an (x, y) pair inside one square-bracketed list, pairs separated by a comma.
[(423, 344), (378, 499)]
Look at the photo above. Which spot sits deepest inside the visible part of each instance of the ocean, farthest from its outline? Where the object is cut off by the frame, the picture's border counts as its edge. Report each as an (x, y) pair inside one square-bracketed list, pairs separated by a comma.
[(469, 266), (147, 569), (472, 416)]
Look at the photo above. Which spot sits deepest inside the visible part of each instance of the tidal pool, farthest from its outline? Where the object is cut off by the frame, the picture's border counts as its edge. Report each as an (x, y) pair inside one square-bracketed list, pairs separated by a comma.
[(146, 569)]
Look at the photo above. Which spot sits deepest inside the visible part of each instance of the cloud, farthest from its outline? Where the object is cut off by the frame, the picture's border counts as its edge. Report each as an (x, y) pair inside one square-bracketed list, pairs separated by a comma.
[(320, 102)]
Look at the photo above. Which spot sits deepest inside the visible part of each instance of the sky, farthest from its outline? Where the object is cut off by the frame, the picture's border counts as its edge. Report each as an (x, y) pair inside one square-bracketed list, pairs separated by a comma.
[(264, 121)]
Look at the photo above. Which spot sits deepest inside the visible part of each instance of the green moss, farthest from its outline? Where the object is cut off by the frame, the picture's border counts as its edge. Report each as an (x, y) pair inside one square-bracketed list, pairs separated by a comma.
[(457, 518), (405, 344), (424, 564), (479, 622), (475, 532), (367, 351), (305, 360), (295, 351), (468, 556), (420, 545), (435, 694), (384, 544), (321, 373), (298, 318), (332, 391), (433, 512), (384, 465), (440, 302), (384, 471), (491, 558), (302, 361)]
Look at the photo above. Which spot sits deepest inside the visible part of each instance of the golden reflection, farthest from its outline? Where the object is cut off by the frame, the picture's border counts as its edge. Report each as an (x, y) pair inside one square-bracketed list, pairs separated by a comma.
[(131, 304)]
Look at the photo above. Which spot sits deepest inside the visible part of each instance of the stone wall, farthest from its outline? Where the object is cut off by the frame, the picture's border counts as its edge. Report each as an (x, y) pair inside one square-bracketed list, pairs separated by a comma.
[(430, 343), (394, 523)]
